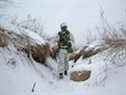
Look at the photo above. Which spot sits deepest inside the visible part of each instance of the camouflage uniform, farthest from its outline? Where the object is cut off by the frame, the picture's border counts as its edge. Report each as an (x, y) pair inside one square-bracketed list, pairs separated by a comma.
[(65, 41), (63, 65), (65, 47)]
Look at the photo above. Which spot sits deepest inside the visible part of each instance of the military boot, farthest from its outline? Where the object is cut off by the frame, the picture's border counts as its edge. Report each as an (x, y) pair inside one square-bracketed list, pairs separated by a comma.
[(60, 75)]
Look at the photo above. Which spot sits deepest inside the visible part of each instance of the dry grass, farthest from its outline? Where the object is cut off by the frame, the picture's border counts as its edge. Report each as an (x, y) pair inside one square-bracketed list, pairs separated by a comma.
[(111, 40), (3, 38), (40, 53), (114, 39)]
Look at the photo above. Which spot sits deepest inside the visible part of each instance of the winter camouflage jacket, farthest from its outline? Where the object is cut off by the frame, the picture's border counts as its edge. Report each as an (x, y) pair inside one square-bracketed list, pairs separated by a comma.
[(65, 39)]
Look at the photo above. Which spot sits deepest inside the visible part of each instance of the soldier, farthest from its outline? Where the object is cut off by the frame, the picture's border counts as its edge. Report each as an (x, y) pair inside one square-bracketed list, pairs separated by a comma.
[(65, 46), (65, 38)]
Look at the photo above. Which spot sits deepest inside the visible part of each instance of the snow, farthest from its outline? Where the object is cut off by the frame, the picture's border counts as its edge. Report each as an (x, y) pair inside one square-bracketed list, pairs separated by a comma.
[(19, 74), (24, 32), (81, 16)]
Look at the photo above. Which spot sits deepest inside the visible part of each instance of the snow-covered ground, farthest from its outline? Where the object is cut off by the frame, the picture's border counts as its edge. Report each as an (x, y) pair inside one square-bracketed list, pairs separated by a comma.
[(18, 76)]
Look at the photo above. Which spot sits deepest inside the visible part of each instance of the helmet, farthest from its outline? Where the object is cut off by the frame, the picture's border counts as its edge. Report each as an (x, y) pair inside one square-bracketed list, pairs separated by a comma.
[(63, 25)]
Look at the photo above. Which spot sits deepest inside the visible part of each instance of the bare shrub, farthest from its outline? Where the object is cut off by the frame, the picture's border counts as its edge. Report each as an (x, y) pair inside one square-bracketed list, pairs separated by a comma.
[(29, 23), (114, 57), (111, 35)]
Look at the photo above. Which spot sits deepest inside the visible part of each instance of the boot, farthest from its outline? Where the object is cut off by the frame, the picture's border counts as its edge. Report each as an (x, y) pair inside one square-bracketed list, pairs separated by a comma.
[(60, 75), (65, 72)]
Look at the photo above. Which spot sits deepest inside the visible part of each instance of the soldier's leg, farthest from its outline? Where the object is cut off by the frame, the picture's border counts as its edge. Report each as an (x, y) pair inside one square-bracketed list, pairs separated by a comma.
[(66, 67), (60, 71), (61, 65), (65, 72)]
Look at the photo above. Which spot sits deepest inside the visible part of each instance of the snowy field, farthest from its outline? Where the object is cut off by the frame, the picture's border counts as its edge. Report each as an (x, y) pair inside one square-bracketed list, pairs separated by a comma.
[(20, 77)]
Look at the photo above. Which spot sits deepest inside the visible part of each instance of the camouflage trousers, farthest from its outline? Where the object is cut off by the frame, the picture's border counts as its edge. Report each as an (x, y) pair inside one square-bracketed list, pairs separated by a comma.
[(62, 62)]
